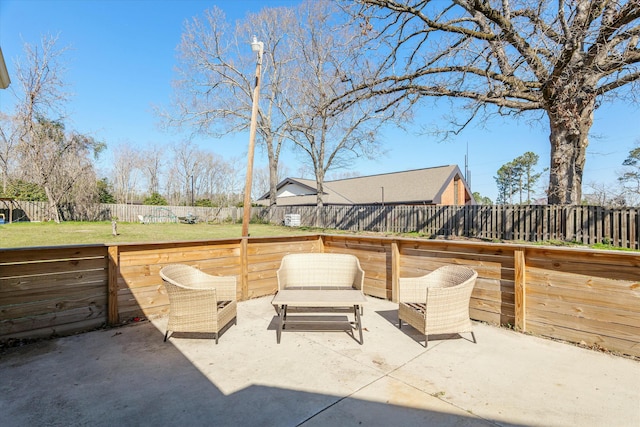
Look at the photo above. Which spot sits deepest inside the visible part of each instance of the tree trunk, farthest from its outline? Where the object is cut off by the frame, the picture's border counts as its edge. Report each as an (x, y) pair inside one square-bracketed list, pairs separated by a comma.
[(568, 155), (54, 212), (273, 172), (319, 187), (273, 185), (570, 114)]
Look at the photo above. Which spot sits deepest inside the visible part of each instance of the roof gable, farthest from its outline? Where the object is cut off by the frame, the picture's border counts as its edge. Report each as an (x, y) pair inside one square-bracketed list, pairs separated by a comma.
[(406, 187)]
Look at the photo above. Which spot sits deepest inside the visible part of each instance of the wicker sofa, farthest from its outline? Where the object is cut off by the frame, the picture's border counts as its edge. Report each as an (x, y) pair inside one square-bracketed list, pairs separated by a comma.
[(438, 302), (198, 302), (320, 271), (323, 281)]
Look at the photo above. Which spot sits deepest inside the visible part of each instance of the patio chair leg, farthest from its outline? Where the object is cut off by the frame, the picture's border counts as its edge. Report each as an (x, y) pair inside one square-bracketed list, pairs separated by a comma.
[(283, 314), (426, 340), (399, 323), (473, 336), (217, 334), (166, 335)]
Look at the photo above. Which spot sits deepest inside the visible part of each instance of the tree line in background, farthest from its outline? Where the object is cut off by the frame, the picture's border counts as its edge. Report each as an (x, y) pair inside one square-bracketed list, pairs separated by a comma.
[(334, 74), (518, 182)]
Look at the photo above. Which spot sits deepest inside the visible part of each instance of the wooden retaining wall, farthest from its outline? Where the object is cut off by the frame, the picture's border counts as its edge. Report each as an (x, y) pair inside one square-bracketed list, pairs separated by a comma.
[(47, 291), (578, 295)]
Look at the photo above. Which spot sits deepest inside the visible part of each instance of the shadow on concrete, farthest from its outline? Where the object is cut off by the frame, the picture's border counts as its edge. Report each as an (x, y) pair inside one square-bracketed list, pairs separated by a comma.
[(391, 316), (129, 376)]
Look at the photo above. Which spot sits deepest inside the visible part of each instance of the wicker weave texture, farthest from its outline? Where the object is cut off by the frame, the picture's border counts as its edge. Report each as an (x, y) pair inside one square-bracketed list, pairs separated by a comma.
[(320, 271), (198, 302), (438, 302)]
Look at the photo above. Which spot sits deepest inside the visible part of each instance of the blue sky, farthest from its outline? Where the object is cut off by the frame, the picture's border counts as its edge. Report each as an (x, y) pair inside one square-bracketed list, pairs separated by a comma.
[(121, 64)]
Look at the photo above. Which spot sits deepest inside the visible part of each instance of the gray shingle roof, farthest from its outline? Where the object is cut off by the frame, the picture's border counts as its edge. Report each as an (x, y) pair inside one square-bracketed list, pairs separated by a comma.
[(406, 187)]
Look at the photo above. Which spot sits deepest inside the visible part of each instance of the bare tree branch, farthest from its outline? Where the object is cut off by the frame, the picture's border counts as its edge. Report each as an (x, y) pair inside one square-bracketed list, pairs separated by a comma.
[(562, 58)]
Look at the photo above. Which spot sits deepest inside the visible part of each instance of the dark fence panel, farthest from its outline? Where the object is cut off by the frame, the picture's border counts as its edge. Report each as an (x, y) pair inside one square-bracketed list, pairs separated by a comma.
[(531, 223)]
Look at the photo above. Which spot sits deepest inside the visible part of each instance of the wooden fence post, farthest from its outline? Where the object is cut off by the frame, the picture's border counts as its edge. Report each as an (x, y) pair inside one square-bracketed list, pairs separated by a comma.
[(244, 269), (395, 270), (520, 291), (113, 271)]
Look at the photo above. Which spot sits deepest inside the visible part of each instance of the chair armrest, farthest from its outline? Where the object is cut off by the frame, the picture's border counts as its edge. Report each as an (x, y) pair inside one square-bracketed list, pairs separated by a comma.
[(184, 298), (411, 289), (224, 285), (452, 300), (281, 275), (358, 282), (226, 288)]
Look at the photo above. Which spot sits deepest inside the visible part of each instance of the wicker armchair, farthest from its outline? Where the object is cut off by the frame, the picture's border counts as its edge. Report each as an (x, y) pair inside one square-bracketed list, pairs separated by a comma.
[(198, 302), (437, 303)]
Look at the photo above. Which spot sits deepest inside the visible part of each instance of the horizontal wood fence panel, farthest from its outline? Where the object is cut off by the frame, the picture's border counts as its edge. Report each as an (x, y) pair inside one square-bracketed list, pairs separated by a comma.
[(45, 288), (264, 257), (281, 248), (493, 298), (582, 295), (65, 266), (491, 315), (51, 254), (597, 329), (587, 311), (45, 291), (591, 294), (578, 295), (168, 254), (584, 337), (374, 256), (550, 281), (129, 305), (54, 305), (491, 291), (54, 324), (488, 310), (141, 292)]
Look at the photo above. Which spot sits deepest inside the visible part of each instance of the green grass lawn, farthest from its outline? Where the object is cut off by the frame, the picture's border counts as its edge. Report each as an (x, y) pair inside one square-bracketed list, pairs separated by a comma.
[(29, 234), (22, 234)]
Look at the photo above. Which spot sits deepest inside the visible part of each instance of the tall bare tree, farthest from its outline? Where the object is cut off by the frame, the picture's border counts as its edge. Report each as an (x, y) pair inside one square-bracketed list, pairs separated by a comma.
[(608, 195), (51, 156), (8, 143), (127, 172), (188, 167), (213, 93), (261, 179), (152, 166), (332, 135), (561, 58)]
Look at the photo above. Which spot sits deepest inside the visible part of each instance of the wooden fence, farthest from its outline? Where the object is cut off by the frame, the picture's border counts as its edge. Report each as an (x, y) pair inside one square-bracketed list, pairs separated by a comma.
[(532, 223), (37, 211), (577, 295)]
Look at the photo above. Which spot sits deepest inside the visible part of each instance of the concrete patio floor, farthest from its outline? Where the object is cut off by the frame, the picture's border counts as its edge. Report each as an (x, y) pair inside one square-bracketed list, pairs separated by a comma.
[(129, 376)]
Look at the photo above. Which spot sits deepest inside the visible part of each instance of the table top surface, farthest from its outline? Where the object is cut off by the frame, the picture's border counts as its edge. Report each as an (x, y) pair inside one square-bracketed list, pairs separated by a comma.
[(319, 297)]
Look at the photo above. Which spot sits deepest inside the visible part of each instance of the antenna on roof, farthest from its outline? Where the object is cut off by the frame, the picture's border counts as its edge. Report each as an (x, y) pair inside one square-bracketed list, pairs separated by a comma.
[(466, 163), (467, 173)]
